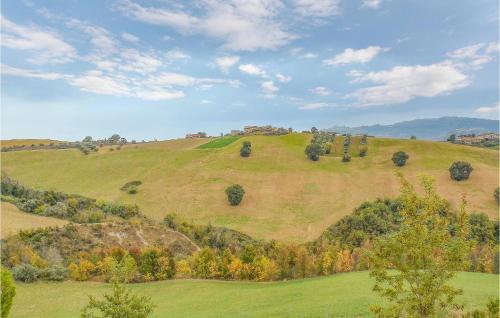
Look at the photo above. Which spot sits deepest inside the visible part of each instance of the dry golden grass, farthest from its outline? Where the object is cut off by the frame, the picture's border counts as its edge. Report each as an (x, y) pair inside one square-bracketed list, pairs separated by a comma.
[(13, 220), (287, 196), (27, 142)]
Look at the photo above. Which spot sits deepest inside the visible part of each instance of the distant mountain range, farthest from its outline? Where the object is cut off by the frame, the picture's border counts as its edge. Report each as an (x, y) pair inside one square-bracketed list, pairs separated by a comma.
[(431, 128)]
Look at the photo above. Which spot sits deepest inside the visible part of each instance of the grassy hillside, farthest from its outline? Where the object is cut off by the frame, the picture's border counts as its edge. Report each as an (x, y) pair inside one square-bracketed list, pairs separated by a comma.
[(343, 295), (27, 142), (14, 220), (287, 196)]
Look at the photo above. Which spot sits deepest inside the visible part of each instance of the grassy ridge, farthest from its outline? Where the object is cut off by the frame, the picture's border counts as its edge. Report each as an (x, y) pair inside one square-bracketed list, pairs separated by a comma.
[(343, 295), (287, 196), (219, 142)]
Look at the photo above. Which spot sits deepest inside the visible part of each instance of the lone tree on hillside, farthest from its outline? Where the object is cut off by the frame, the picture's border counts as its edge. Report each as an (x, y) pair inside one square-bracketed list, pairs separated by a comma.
[(347, 143), (313, 151), (314, 130), (413, 267), (496, 194), (399, 158), (246, 149), (8, 291), (235, 194), (460, 170)]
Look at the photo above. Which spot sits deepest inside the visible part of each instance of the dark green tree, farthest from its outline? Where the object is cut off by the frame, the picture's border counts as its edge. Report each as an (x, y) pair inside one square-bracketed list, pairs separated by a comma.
[(399, 158), (235, 194), (314, 130), (8, 290), (460, 170), (313, 151), (246, 149), (496, 194)]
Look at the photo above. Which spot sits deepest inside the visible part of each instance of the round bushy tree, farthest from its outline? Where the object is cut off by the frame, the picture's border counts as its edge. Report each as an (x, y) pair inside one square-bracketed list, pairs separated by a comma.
[(460, 170), (8, 291), (313, 151), (346, 157), (496, 194), (246, 149), (235, 194), (26, 273), (399, 158)]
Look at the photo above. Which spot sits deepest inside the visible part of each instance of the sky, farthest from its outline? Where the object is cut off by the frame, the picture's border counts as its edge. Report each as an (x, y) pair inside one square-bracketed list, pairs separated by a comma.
[(158, 69)]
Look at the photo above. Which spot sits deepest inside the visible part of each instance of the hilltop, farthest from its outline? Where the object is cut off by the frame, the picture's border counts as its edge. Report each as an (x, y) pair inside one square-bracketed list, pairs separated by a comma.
[(288, 197), (429, 128)]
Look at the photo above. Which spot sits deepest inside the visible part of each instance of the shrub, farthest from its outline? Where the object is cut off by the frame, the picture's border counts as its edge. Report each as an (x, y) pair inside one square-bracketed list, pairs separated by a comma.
[(460, 170), (54, 273), (235, 194), (399, 158), (496, 194), (8, 291), (26, 273), (59, 210), (363, 151), (82, 271), (246, 149), (313, 151), (346, 157)]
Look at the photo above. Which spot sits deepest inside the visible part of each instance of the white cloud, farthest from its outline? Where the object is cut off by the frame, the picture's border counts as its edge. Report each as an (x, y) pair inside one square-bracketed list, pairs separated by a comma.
[(242, 25), (135, 61), (48, 47), (269, 88), (100, 38), (226, 62), (283, 78), (373, 4), (19, 72), (177, 54), (362, 56), (308, 56), (312, 106), (98, 83), (321, 90), (129, 37), (317, 8), (252, 70), (488, 110), (404, 83), (475, 55), (159, 94)]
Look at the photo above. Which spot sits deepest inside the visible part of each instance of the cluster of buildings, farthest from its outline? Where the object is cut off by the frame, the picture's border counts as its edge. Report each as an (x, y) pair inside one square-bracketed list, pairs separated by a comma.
[(476, 139), (196, 135)]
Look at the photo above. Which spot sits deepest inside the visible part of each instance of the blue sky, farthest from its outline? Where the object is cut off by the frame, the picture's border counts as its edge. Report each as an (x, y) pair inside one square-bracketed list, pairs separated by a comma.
[(161, 69)]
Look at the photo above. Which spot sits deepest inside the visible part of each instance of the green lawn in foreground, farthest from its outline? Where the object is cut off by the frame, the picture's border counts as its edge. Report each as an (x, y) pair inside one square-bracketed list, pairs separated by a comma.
[(219, 142), (343, 295)]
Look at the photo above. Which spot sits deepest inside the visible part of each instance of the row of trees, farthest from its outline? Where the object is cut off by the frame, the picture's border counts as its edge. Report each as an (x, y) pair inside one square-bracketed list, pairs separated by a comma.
[(323, 143)]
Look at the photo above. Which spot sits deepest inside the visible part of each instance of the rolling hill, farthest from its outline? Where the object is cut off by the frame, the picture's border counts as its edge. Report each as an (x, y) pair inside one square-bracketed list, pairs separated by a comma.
[(429, 129), (342, 295), (287, 196)]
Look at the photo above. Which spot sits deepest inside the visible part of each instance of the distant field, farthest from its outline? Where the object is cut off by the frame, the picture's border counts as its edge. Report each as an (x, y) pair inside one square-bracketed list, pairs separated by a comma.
[(27, 142), (219, 142), (287, 196), (342, 295), (13, 220)]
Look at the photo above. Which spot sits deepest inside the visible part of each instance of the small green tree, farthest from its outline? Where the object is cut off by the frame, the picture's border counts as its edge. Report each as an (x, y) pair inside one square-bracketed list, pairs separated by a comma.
[(313, 151), (246, 149), (412, 267), (8, 290), (314, 130), (413, 137), (496, 194), (399, 158), (460, 170), (235, 194), (362, 151)]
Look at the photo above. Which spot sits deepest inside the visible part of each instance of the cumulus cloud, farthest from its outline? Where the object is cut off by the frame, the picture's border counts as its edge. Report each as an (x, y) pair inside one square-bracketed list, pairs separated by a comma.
[(321, 90), (101, 39), (98, 83), (48, 47), (488, 110), (373, 4), (283, 78), (474, 56), (404, 83), (226, 62), (312, 106), (241, 25), (362, 56), (129, 37), (317, 8), (177, 54), (252, 70), (268, 88)]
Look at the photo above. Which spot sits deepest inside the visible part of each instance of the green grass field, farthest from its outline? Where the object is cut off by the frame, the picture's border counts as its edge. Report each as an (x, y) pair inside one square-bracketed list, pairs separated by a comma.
[(288, 197), (342, 295), (219, 142)]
